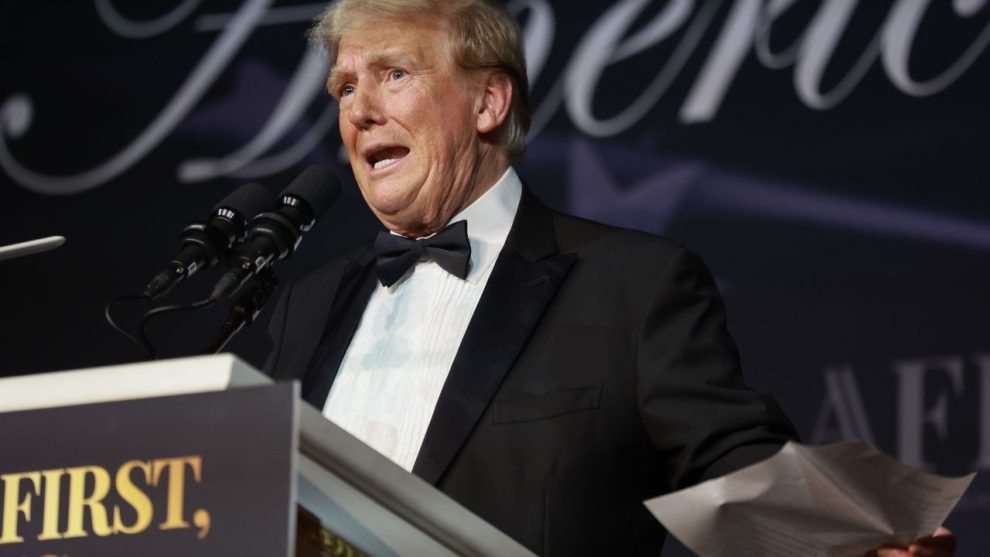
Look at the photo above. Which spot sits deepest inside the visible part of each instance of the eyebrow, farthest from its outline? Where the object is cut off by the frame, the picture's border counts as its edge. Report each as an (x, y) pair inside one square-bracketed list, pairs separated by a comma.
[(378, 60), (335, 79)]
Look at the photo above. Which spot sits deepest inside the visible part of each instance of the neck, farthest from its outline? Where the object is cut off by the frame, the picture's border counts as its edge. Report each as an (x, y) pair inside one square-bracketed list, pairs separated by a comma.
[(485, 180), (486, 174)]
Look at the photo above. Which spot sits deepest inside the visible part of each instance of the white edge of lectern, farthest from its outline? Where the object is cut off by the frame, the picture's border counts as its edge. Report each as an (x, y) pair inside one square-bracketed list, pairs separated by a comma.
[(127, 381)]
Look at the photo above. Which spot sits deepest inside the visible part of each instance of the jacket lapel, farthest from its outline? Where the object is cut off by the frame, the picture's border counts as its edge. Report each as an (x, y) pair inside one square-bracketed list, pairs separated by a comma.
[(349, 298), (526, 275)]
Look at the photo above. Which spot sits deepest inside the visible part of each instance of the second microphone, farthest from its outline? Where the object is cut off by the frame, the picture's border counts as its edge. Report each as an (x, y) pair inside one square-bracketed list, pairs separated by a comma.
[(275, 235)]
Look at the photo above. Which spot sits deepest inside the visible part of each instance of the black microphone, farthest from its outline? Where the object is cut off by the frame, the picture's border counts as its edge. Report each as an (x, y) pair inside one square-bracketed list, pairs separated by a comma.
[(276, 235), (203, 245)]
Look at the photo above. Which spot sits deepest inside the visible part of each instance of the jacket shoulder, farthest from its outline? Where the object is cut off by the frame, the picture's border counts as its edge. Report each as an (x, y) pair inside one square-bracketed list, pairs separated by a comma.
[(587, 237)]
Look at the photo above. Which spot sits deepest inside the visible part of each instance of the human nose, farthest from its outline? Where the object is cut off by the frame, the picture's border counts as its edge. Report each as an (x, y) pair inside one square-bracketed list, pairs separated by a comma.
[(365, 108)]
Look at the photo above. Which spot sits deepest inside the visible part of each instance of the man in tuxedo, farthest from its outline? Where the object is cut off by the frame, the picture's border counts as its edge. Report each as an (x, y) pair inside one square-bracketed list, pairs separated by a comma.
[(547, 372)]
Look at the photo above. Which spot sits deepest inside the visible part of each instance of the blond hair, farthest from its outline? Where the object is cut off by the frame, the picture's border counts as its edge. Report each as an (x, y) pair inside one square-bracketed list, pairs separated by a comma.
[(482, 35)]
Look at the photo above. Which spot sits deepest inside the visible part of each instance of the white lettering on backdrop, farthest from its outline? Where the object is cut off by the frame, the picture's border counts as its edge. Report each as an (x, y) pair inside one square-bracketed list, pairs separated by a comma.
[(747, 28), (930, 400)]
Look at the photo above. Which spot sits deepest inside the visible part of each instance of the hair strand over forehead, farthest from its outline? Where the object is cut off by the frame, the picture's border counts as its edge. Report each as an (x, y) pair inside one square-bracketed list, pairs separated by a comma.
[(481, 35)]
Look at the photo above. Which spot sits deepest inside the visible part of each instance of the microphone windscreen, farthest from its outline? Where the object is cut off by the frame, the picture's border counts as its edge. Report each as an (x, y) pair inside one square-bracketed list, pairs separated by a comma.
[(248, 200), (317, 186)]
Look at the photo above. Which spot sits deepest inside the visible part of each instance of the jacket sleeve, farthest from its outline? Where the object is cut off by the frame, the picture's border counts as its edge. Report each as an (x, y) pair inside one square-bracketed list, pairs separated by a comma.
[(696, 409)]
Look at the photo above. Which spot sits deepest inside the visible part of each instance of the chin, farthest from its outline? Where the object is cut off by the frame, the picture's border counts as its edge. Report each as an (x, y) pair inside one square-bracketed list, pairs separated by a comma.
[(393, 196), (388, 206)]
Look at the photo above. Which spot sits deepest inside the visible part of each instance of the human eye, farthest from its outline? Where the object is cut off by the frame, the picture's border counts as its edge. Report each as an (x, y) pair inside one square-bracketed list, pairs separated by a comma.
[(345, 90), (397, 74)]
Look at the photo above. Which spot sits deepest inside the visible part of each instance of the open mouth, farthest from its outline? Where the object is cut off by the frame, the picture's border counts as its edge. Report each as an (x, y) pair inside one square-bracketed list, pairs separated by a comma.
[(386, 156)]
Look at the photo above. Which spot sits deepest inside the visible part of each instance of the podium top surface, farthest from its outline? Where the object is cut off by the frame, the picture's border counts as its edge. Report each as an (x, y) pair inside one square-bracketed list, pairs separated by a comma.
[(127, 381)]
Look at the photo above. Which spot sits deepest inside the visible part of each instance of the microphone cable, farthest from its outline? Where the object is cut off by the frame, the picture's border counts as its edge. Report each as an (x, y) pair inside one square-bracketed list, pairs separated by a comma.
[(145, 346), (163, 310)]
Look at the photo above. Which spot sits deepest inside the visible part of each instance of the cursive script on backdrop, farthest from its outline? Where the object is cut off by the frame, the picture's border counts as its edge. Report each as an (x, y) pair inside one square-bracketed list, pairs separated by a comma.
[(746, 29)]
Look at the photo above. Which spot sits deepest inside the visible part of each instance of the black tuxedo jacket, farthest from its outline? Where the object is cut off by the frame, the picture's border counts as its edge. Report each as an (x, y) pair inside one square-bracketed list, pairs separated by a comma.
[(596, 372)]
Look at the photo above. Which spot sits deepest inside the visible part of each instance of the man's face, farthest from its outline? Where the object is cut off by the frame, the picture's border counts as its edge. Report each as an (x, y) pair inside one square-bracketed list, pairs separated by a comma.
[(408, 119)]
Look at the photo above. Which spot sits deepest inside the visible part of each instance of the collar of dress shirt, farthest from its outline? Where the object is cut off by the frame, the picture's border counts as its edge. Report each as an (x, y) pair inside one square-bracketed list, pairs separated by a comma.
[(489, 220)]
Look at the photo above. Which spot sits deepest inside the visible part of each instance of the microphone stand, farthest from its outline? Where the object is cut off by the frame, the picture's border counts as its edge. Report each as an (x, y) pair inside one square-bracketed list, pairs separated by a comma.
[(244, 311)]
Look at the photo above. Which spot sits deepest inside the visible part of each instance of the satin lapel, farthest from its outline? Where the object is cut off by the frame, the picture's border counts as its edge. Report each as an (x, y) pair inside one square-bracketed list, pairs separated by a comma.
[(526, 275), (357, 282)]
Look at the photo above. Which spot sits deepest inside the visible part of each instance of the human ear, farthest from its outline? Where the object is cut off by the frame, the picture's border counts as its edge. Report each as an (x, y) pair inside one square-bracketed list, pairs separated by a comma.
[(496, 100)]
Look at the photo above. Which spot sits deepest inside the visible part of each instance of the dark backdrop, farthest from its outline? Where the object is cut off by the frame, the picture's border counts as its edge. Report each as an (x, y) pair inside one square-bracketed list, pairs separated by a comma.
[(830, 165)]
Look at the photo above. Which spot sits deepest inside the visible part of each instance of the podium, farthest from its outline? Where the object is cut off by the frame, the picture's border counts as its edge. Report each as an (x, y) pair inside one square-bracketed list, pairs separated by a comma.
[(206, 456)]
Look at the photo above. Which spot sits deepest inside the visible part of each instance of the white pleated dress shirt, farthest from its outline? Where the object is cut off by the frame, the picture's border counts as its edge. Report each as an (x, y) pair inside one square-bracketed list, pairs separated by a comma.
[(393, 371)]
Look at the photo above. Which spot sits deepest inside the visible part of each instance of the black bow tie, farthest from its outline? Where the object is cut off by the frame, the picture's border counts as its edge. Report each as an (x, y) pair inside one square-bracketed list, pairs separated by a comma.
[(397, 254)]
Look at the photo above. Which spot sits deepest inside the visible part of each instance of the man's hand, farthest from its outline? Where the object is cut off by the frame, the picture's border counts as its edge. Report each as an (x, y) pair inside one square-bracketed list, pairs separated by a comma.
[(940, 544)]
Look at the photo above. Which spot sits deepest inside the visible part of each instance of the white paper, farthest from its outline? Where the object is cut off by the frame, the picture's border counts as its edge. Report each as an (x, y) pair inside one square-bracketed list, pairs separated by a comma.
[(837, 500)]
